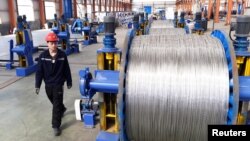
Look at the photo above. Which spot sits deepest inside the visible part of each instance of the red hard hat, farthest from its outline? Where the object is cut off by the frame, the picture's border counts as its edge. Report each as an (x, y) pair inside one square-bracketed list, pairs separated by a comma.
[(51, 37)]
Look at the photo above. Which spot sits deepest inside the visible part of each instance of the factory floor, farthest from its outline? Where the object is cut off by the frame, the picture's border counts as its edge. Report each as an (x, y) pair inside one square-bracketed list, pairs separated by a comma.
[(25, 116)]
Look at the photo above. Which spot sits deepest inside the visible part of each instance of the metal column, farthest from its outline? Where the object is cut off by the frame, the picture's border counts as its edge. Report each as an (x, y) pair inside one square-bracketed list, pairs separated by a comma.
[(42, 13), (11, 14), (217, 11), (93, 10), (229, 7), (67, 9), (75, 9), (109, 5), (105, 5), (60, 8), (85, 6), (210, 7), (100, 6)]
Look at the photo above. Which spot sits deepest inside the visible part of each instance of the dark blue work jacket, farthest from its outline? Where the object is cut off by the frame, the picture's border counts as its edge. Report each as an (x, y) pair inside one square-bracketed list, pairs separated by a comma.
[(54, 71)]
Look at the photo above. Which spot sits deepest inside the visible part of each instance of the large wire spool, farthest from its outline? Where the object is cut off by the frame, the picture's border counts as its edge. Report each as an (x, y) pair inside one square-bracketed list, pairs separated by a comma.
[(175, 87), (162, 24), (167, 31)]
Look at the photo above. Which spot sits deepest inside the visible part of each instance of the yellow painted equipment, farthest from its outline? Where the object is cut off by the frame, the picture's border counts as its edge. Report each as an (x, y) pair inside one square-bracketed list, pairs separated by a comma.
[(108, 111)]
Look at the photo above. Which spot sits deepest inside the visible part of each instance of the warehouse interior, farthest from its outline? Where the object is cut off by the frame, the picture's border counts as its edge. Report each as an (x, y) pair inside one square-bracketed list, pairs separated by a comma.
[(142, 70)]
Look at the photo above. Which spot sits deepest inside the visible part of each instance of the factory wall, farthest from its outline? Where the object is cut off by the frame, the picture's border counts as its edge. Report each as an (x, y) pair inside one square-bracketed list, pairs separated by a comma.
[(32, 11), (51, 8), (36, 23), (28, 7)]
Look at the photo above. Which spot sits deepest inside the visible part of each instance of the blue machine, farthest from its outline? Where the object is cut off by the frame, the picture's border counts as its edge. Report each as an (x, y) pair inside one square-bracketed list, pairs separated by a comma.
[(162, 14), (55, 25), (10, 62), (175, 19), (197, 25), (89, 87), (80, 26), (100, 28), (25, 23), (89, 34), (181, 22), (242, 29), (27, 26), (61, 28), (147, 24), (142, 24), (108, 81), (200, 24), (24, 50), (241, 45), (136, 26), (77, 26)]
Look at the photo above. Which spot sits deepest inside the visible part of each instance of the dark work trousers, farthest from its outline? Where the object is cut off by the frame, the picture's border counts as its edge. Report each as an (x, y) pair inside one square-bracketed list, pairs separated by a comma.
[(55, 95)]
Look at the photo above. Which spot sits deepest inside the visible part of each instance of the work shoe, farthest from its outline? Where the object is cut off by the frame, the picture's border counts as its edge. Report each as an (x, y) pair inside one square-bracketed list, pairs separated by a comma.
[(57, 131), (64, 110)]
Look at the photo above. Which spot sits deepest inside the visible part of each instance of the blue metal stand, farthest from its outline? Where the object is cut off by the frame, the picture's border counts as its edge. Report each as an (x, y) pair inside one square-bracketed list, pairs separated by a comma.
[(26, 51), (181, 22), (77, 26), (105, 81), (100, 28), (90, 35), (200, 24), (175, 19), (244, 88), (241, 45), (11, 61), (80, 26), (64, 37)]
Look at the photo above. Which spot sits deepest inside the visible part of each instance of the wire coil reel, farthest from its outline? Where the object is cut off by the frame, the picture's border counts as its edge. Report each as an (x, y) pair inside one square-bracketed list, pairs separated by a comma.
[(175, 86)]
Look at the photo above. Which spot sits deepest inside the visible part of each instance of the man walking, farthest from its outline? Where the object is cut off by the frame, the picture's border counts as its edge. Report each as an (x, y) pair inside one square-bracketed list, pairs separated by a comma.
[(53, 68)]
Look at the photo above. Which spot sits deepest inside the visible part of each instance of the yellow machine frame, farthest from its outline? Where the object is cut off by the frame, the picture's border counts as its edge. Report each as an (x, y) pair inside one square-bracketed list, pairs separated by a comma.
[(108, 105), (21, 40), (243, 65)]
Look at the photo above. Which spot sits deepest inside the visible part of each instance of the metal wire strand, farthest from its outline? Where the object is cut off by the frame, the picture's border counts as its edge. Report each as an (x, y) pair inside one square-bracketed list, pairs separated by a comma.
[(176, 86), (167, 31)]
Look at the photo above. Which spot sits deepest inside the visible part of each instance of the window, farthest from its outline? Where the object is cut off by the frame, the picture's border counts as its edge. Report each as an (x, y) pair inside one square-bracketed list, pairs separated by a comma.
[(25, 7), (50, 10)]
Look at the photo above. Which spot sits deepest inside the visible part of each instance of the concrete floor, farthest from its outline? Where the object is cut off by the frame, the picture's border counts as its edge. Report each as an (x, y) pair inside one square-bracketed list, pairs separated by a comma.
[(25, 116)]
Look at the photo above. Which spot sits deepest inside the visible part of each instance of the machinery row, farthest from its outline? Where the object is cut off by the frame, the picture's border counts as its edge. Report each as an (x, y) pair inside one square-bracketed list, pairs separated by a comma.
[(63, 26)]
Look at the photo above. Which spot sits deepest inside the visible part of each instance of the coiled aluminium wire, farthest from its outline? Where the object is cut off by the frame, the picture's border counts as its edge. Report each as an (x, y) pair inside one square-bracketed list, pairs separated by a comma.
[(175, 86), (167, 31)]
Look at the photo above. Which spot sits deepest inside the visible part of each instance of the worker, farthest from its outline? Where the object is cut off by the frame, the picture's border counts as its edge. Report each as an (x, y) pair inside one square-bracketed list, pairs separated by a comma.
[(53, 68)]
